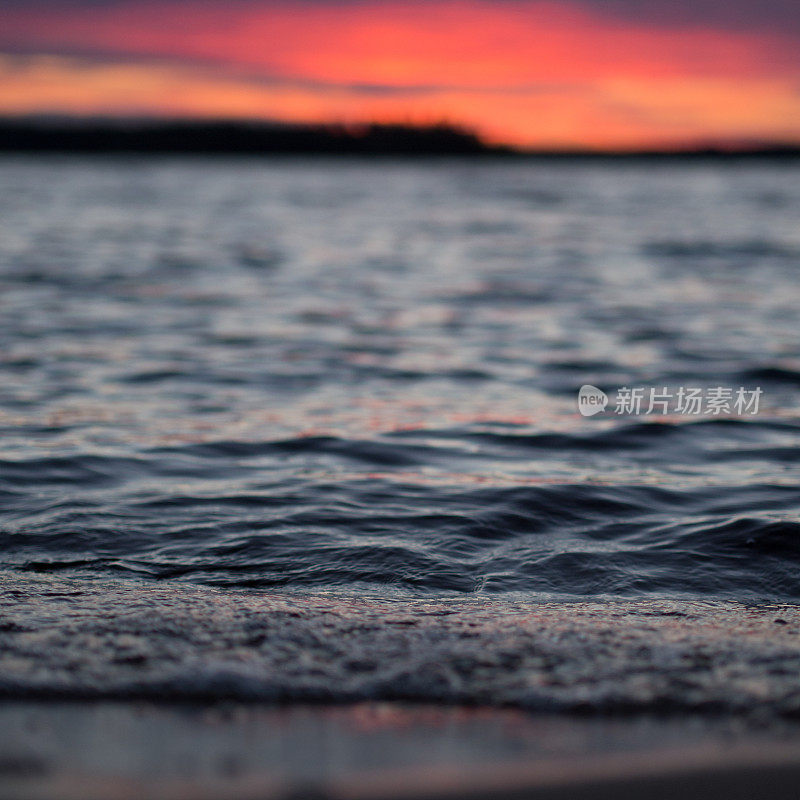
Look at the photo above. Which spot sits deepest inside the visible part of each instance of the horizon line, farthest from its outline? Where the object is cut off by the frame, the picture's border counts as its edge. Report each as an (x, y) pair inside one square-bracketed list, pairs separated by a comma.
[(76, 132)]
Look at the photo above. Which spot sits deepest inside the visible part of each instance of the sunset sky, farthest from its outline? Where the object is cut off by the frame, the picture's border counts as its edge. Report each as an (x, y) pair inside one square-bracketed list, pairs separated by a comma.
[(588, 73)]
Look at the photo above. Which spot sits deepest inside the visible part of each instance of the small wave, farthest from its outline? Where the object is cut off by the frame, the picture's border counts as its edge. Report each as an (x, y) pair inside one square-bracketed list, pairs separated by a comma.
[(571, 539), (332, 511), (769, 375), (84, 470), (701, 435), (750, 248)]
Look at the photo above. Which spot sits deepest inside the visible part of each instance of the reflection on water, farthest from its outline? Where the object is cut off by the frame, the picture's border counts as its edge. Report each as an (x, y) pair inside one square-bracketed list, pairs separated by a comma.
[(256, 373)]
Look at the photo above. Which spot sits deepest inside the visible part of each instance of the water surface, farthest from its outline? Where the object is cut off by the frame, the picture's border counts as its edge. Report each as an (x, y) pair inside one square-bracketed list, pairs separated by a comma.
[(361, 377)]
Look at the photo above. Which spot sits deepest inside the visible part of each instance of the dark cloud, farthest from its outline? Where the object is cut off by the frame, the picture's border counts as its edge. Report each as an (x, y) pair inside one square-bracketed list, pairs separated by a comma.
[(736, 14), (18, 59), (746, 15)]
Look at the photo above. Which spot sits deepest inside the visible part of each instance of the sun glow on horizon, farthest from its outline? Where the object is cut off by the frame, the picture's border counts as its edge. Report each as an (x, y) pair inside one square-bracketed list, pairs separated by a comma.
[(531, 74)]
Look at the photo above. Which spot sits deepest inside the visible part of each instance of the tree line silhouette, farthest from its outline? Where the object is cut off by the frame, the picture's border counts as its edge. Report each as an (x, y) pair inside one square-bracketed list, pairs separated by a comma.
[(108, 135)]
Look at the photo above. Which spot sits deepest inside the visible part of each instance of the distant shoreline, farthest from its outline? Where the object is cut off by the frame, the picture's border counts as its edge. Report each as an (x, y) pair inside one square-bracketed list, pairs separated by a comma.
[(164, 137)]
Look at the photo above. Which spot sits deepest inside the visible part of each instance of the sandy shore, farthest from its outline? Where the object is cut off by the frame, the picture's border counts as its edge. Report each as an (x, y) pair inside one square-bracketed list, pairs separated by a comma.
[(128, 690), (380, 751), (88, 639)]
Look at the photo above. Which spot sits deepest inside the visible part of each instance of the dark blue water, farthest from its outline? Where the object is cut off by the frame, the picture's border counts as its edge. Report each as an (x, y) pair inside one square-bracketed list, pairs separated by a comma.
[(359, 375), (309, 431)]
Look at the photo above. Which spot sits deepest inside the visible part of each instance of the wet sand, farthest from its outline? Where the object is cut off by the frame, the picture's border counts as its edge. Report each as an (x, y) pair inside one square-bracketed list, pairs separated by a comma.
[(110, 639), (374, 751), (129, 689)]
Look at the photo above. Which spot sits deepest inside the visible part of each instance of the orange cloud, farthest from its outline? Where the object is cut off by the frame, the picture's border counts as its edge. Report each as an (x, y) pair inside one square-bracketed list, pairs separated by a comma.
[(536, 74)]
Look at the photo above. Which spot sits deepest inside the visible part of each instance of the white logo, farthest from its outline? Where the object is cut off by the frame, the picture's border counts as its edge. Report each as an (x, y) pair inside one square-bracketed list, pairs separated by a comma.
[(591, 400)]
